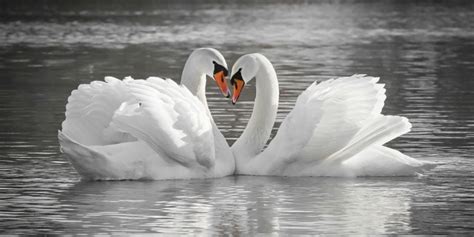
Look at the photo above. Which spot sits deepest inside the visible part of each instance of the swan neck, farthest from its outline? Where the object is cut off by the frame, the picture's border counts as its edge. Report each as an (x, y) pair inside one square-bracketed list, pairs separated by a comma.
[(258, 130), (194, 79)]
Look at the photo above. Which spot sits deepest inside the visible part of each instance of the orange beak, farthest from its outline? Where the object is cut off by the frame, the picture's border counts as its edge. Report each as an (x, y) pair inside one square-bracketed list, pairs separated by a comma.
[(238, 87), (220, 79)]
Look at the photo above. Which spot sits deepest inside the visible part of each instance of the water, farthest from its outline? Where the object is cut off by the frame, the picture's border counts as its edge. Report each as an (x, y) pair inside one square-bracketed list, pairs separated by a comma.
[(423, 52)]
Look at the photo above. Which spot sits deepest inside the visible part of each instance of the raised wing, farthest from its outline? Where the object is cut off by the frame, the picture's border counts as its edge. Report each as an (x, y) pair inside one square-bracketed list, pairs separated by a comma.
[(172, 121), (334, 120), (90, 109)]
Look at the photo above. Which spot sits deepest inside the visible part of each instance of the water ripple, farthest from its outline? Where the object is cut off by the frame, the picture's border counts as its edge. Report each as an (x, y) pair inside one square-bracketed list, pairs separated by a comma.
[(422, 52)]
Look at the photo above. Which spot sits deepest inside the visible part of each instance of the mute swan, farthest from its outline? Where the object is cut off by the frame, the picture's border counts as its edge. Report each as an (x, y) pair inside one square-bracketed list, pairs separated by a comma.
[(335, 128), (148, 129)]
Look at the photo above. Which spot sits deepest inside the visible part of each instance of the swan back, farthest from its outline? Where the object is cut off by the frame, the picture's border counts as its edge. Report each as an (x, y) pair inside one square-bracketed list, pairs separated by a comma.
[(151, 129), (335, 129)]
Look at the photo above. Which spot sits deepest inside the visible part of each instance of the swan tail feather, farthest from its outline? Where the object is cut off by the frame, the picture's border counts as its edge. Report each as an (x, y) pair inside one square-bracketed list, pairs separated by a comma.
[(378, 160), (378, 131), (122, 161), (85, 160)]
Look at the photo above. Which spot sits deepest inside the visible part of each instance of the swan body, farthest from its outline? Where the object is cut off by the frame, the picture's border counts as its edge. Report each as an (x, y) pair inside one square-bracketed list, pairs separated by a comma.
[(148, 129), (335, 128)]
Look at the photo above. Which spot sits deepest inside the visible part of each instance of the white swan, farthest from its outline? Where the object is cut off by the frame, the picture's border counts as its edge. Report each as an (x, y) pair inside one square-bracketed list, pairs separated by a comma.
[(148, 129), (335, 128)]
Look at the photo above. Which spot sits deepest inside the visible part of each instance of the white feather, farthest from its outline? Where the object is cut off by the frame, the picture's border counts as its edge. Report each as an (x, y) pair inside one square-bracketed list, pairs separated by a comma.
[(138, 129), (147, 129), (335, 129), (174, 123)]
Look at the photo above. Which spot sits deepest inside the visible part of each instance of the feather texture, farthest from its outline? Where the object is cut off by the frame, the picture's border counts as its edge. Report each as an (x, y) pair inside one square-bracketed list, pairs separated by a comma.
[(139, 129), (335, 129), (172, 121), (90, 109)]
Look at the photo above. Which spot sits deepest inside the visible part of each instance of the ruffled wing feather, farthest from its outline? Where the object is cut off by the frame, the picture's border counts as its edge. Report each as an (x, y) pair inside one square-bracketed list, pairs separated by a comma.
[(170, 120), (90, 109), (332, 121)]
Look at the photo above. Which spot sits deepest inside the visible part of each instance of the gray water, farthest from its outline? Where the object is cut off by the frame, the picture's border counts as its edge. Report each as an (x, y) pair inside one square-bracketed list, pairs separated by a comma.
[(423, 52)]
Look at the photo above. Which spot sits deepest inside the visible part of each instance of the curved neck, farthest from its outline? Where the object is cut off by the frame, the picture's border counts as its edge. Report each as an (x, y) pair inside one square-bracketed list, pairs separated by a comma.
[(194, 79), (258, 130)]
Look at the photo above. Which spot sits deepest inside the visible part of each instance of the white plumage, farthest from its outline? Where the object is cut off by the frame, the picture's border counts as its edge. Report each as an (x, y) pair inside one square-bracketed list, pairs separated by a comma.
[(146, 129), (335, 129), (157, 129)]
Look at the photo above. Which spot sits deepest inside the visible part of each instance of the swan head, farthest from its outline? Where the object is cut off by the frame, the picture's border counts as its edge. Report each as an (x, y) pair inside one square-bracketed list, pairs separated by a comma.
[(243, 71), (213, 64)]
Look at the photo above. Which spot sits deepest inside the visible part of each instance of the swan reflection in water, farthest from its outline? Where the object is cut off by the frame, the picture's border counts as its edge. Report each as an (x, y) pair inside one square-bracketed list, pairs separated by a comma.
[(242, 204)]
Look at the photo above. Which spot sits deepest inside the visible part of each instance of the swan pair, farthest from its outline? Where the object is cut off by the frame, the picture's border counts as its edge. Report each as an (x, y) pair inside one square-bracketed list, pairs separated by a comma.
[(157, 129)]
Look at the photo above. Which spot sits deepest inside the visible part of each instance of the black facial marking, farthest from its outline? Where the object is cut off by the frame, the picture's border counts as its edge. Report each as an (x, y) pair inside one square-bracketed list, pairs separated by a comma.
[(219, 68), (236, 76)]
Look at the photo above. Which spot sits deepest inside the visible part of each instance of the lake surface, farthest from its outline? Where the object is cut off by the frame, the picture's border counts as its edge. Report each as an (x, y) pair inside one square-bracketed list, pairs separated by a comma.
[(423, 52)]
